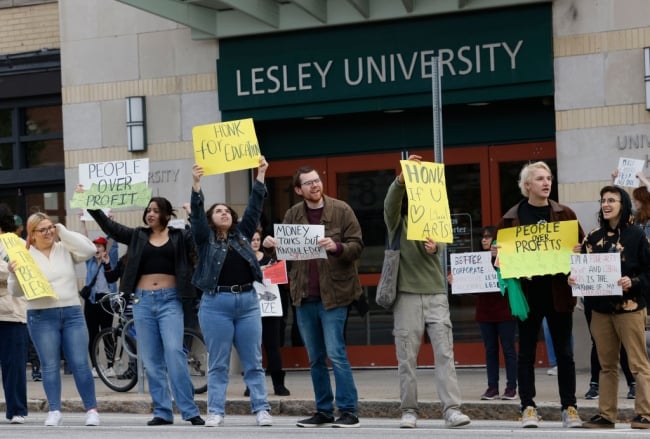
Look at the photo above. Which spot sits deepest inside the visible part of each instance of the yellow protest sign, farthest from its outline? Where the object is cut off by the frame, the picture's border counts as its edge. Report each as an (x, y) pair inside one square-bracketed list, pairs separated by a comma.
[(226, 146), (537, 249), (30, 276), (429, 215)]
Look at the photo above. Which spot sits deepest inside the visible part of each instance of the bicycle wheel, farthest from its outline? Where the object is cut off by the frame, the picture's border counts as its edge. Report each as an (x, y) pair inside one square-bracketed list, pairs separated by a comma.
[(114, 366), (128, 332), (197, 359)]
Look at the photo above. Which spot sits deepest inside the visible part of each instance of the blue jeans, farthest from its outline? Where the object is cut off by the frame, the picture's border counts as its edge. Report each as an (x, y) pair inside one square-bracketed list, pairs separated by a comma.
[(158, 316), (322, 333), (13, 357), (493, 333), (229, 319), (55, 328)]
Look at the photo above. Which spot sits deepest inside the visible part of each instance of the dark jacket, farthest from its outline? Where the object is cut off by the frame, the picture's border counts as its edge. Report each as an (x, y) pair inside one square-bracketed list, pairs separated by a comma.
[(563, 300), (634, 248), (338, 276), (212, 252), (136, 238)]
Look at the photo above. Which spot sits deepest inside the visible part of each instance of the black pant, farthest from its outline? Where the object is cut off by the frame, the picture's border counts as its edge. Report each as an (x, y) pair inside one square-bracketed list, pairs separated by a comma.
[(271, 342), (96, 319), (560, 325)]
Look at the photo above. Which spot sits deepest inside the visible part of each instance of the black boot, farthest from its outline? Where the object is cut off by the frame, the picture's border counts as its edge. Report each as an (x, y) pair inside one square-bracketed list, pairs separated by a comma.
[(278, 383)]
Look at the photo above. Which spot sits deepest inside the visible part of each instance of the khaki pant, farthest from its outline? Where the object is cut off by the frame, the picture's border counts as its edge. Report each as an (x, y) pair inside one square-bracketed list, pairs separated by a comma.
[(413, 313), (609, 331)]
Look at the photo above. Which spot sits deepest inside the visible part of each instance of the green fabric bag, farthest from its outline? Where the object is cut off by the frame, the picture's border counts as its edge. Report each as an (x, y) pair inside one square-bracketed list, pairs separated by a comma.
[(518, 305)]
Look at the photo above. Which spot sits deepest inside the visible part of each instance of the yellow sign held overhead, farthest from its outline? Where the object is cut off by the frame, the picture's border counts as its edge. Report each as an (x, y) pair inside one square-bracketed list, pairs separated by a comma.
[(30, 276), (226, 146)]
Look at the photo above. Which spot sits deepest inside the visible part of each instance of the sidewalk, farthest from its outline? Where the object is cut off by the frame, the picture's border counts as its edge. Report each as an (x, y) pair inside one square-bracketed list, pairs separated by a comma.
[(378, 396)]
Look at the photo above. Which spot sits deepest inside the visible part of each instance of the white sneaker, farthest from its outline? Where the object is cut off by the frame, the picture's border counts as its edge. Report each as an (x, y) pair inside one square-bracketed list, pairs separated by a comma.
[(92, 418), (214, 421), (94, 371), (409, 420), (109, 373), (17, 419), (552, 371), (54, 419), (529, 417), (455, 418), (263, 418), (570, 418)]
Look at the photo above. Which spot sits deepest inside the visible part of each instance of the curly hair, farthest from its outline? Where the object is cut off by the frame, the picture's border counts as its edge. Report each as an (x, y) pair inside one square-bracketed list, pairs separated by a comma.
[(642, 195)]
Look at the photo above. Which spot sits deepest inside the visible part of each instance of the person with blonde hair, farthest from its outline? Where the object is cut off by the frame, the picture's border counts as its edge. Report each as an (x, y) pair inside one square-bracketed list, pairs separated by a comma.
[(57, 323)]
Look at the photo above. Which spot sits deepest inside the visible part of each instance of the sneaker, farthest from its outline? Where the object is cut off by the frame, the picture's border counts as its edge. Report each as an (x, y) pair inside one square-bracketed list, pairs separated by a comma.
[(54, 419), (109, 373), (94, 371), (570, 418), (592, 393), (214, 421), (529, 417), (157, 420), (640, 422), (631, 394), (455, 418), (92, 418), (318, 420), (36, 376), (347, 420), (552, 371), (490, 394), (510, 393), (263, 418), (598, 422), (196, 420), (409, 420), (17, 419)]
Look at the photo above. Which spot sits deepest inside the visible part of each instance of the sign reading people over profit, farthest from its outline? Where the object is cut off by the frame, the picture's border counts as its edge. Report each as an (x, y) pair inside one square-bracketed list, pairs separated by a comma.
[(117, 184), (473, 273), (30, 277), (428, 215), (226, 146), (296, 242), (537, 249), (596, 274)]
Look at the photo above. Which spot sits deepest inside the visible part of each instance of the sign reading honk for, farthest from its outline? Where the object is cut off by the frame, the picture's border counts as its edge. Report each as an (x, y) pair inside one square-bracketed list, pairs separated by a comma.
[(426, 188)]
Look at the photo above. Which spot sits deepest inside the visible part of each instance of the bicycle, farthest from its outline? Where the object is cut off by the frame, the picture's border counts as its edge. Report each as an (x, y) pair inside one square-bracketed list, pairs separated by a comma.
[(114, 353)]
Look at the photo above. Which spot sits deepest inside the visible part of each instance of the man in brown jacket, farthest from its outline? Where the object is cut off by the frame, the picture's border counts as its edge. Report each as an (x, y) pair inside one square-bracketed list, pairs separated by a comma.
[(321, 290), (547, 296)]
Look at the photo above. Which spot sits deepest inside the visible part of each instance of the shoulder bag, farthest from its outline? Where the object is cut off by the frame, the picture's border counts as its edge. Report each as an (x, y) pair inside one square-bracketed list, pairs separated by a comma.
[(387, 286)]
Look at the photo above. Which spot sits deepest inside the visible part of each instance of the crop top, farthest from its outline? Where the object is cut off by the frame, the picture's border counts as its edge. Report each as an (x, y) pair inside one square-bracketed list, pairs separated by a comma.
[(158, 260)]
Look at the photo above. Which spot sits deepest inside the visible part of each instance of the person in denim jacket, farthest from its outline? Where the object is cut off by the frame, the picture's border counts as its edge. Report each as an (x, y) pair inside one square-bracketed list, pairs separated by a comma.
[(229, 313)]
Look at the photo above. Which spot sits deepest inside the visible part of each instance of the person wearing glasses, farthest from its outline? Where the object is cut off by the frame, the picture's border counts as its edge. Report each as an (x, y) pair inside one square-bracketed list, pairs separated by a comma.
[(548, 296), (57, 323), (321, 290), (229, 313), (619, 320)]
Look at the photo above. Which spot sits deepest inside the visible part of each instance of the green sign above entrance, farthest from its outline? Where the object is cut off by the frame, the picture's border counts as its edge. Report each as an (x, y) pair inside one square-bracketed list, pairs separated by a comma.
[(494, 55)]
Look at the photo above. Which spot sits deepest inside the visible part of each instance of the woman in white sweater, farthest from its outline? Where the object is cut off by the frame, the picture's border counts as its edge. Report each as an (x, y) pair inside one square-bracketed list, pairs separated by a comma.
[(56, 323)]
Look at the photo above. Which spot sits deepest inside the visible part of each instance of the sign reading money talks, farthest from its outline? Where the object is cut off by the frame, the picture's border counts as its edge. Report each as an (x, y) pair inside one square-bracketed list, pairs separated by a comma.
[(428, 215), (29, 275), (117, 184), (537, 249), (296, 242), (226, 146)]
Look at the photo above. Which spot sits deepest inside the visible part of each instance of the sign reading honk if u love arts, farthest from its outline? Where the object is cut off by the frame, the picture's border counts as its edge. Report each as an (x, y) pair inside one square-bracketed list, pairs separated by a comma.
[(426, 188)]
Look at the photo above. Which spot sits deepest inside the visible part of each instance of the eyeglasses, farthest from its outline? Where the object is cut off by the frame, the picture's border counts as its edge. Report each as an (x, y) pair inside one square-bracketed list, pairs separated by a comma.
[(609, 201), (310, 182), (44, 230)]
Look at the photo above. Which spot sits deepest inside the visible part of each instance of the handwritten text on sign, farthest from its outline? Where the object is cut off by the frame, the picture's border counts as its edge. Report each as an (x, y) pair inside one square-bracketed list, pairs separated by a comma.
[(121, 183), (299, 241), (429, 215), (29, 275), (537, 249), (226, 146), (473, 273), (596, 274), (269, 296), (627, 170)]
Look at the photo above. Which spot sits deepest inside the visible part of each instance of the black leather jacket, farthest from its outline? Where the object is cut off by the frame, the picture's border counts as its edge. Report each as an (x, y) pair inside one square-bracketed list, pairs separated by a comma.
[(136, 238)]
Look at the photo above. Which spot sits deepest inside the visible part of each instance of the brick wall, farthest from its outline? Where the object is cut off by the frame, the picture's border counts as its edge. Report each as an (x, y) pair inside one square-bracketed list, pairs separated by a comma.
[(29, 28)]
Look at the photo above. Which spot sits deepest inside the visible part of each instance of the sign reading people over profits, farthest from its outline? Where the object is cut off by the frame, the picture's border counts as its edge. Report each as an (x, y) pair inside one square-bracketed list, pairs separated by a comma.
[(429, 215), (121, 183), (29, 275), (226, 146), (473, 273), (596, 274), (537, 249), (297, 242)]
